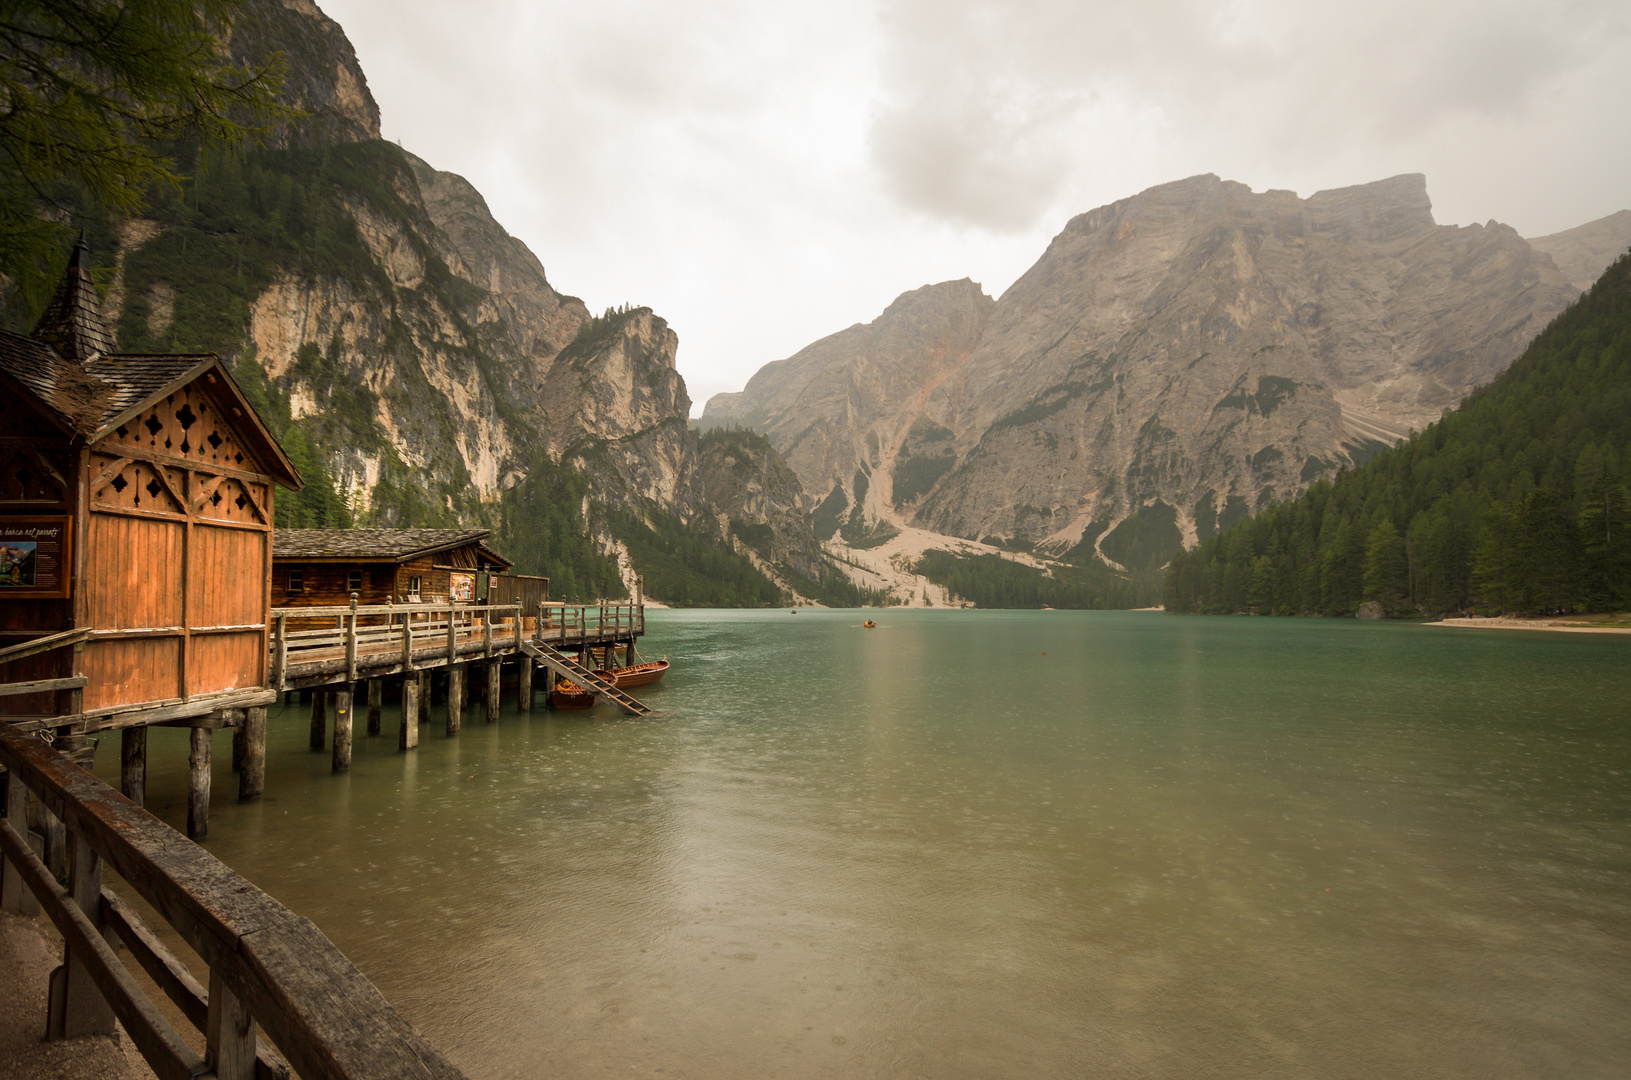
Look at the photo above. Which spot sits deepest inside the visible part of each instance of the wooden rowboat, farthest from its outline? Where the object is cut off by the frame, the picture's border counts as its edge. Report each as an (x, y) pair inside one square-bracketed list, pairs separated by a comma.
[(635, 675), (569, 695)]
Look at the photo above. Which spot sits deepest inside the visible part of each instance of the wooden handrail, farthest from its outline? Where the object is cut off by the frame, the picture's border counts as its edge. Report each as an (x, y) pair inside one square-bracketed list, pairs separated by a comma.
[(43, 644), (265, 961)]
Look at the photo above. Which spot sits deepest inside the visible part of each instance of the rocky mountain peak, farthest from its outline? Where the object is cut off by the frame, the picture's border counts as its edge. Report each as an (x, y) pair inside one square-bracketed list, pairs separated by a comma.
[(321, 75)]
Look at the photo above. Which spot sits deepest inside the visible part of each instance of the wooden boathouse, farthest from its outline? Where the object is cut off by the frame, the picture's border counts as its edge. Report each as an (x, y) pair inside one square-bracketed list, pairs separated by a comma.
[(136, 500), (316, 567)]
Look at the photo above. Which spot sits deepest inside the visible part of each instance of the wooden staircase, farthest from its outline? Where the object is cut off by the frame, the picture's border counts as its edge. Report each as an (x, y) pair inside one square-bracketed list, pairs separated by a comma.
[(563, 664)]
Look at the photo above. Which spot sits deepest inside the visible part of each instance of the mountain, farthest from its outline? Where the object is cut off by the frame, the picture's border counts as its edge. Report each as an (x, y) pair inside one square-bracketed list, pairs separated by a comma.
[(1584, 252), (415, 358), (1518, 500), (1174, 361)]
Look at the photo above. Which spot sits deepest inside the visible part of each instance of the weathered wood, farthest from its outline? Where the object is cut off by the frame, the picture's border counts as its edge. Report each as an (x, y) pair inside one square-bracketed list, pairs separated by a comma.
[(408, 738), (280, 656), (424, 696), (133, 764), (85, 1010), (493, 688), (53, 840), (198, 784), (38, 686), (319, 720), (15, 897), (166, 1052), (376, 698), (523, 684), (156, 715), (252, 776), (455, 698), (42, 645), (351, 642), (176, 981), (342, 730), (229, 1034), (237, 747)]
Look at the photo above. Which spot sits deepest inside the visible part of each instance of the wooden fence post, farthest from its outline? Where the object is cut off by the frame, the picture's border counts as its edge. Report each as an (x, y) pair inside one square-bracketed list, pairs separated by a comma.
[(351, 642), (229, 1034), (252, 777), (280, 655), (84, 1011), (342, 729), (198, 784), (14, 895)]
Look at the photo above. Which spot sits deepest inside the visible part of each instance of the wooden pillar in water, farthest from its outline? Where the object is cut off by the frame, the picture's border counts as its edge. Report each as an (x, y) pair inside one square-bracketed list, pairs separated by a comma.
[(376, 698), (133, 764), (409, 737), (319, 719), (492, 691), (198, 784), (523, 683), (342, 729), (455, 698), (252, 776), (424, 695), (237, 747)]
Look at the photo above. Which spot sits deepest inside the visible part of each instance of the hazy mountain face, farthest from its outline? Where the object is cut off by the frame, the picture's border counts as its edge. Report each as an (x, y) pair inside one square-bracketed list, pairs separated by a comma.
[(1584, 252), (1174, 360)]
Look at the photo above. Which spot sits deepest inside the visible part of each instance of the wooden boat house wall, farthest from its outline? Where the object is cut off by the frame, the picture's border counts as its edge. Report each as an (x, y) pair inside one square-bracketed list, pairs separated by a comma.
[(323, 567), (136, 497)]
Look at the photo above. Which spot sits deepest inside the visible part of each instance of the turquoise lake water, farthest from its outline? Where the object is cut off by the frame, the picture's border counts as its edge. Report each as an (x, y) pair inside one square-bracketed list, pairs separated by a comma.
[(979, 844)]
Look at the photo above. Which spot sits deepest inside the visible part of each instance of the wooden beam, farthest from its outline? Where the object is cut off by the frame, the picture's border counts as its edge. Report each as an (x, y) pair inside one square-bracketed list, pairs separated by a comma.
[(85, 1010), (342, 730), (408, 738), (133, 764), (493, 688), (41, 645), (38, 686), (455, 698), (122, 716)]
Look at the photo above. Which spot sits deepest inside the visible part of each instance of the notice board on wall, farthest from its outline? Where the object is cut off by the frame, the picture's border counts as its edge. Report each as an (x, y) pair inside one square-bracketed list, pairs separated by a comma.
[(36, 557)]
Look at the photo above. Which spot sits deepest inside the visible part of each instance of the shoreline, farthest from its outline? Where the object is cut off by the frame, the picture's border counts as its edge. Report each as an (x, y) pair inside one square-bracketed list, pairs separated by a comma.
[(1507, 622)]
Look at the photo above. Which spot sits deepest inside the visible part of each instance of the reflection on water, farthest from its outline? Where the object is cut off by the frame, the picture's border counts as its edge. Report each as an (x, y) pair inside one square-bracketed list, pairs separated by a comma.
[(974, 844)]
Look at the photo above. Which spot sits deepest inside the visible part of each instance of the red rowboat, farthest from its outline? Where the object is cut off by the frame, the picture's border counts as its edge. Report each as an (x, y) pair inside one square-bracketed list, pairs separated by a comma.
[(569, 695), (635, 675)]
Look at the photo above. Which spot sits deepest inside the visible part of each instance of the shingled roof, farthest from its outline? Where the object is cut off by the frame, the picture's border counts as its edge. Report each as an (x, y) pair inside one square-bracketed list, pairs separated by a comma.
[(379, 545), (69, 368), (72, 323)]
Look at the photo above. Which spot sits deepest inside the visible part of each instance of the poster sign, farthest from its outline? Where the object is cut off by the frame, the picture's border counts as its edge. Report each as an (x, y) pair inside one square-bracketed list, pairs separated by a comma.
[(35, 558), (462, 588)]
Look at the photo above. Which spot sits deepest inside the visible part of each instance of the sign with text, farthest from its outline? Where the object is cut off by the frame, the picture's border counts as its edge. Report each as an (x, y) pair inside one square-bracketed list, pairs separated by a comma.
[(462, 588), (35, 556)]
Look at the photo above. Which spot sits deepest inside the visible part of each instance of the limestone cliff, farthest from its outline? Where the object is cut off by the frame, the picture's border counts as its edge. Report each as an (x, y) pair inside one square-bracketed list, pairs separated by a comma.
[(1174, 360), (1584, 252)]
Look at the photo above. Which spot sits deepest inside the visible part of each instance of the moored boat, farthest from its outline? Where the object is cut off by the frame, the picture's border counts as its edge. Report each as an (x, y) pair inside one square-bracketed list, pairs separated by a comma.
[(569, 695), (636, 674)]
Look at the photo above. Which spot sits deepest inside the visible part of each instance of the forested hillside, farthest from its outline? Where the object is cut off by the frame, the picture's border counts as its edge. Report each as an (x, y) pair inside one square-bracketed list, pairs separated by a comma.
[(1516, 501)]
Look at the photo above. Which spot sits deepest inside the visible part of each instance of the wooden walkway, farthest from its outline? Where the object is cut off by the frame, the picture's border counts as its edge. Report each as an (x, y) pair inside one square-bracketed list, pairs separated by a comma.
[(563, 664)]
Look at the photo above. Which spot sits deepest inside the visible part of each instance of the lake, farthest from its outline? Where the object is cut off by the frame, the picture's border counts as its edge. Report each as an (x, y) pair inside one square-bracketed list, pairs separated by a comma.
[(986, 843)]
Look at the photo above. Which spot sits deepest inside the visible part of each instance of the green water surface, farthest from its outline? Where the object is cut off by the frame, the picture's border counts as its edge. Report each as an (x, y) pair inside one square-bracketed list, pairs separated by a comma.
[(983, 844)]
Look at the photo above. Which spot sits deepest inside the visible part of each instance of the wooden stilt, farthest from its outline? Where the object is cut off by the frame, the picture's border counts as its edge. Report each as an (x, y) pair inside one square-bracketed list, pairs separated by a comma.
[(133, 764), (237, 748), (198, 784), (376, 698), (455, 698), (523, 683), (252, 776), (319, 720), (492, 691), (409, 737), (424, 695), (342, 729)]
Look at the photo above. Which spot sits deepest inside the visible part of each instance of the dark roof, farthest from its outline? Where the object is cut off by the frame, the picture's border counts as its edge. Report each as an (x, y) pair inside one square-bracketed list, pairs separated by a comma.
[(72, 323), (380, 545), (69, 369)]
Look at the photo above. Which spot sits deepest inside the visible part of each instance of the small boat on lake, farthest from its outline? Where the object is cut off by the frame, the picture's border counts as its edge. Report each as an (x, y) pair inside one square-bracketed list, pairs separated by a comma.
[(636, 674), (569, 695)]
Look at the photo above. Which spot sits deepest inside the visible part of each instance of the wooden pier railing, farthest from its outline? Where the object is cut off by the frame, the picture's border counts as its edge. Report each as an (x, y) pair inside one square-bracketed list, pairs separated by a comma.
[(314, 646), (278, 994)]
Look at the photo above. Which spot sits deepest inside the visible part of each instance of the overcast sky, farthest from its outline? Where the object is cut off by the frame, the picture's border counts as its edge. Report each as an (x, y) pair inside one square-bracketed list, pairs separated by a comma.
[(764, 174)]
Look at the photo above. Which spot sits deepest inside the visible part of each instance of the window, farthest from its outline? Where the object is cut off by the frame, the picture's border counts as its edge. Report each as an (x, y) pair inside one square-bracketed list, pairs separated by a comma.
[(413, 585), (297, 581), (353, 581)]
